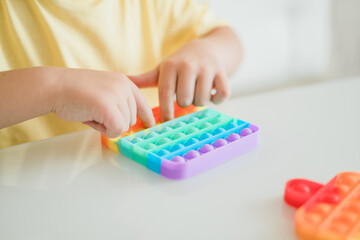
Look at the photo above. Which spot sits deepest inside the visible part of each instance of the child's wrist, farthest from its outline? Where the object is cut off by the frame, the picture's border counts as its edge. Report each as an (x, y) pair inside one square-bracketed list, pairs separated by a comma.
[(51, 86)]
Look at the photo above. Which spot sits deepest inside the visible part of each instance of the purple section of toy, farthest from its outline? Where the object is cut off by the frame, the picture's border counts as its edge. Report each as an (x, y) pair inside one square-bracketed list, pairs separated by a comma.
[(207, 157)]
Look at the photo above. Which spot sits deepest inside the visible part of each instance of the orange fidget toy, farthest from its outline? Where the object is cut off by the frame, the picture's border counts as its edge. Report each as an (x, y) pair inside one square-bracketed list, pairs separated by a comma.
[(326, 212)]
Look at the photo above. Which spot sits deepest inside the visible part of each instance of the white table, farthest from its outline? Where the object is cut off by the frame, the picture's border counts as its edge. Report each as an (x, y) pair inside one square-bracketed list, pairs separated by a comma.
[(70, 187)]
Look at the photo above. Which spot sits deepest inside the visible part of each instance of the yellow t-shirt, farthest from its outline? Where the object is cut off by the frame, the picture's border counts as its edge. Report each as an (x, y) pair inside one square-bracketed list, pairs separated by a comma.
[(128, 36)]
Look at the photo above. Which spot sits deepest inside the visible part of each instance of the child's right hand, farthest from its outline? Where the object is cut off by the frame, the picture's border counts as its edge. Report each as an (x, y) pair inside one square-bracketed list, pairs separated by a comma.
[(106, 101)]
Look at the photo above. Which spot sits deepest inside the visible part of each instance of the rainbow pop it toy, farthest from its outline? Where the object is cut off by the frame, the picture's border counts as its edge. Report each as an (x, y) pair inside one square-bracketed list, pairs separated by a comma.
[(326, 212), (188, 144)]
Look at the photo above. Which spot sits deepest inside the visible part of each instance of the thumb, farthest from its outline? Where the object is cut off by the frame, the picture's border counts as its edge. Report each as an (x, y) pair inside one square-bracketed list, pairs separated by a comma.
[(148, 79)]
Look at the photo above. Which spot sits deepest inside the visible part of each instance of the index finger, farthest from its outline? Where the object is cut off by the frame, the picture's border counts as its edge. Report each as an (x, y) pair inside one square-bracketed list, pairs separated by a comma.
[(143, 108), (167, 84)]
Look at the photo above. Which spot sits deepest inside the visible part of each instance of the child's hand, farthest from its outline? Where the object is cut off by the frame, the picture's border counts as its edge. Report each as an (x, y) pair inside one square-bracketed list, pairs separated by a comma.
[(190, 73), (106, 101), (193, 71)]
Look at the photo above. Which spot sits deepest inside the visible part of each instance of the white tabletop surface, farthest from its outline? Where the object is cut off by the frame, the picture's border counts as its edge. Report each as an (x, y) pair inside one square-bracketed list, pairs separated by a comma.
[(70, 187)]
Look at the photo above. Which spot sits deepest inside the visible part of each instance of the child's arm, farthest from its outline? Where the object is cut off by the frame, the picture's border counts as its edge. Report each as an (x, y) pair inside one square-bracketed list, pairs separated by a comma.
[(196, 68), (106, 101)]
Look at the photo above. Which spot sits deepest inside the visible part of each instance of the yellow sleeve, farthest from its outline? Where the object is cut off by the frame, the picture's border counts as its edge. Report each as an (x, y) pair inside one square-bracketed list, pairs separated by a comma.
[(186, 20)]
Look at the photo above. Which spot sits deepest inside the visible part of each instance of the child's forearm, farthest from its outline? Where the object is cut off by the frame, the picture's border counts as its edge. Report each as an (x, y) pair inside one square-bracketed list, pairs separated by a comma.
[(106, 101), (25, 94)]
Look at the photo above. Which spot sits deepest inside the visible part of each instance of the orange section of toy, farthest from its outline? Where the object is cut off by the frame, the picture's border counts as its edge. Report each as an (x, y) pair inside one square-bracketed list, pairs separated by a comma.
[(139, 125), (333, 213)]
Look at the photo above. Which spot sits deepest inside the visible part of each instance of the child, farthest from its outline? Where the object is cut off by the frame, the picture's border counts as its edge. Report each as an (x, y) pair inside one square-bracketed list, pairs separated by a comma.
[(49, 47)]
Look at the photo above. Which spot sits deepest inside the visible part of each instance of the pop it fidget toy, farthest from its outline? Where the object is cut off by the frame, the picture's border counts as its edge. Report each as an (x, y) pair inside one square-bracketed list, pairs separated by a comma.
[(188, 144), (326, 212)]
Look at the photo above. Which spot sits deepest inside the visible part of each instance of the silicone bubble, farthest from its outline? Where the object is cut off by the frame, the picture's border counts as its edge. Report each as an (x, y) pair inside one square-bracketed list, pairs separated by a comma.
[(357, 196), (205, 136), (205, 125), (245, 132), (192, 119), (206, 148), (219, 143), (179, 124), (346, 217), (192, 130), (163, 152), (137, 140), (165, 130), (342, 188), (218, 131), (178, 135), (322, 208), (205, 114), (349, 180), (303, 188), (192, 154), (330, 198), (313, 218), (233, 137), (353, 207), (191, 141), (177, 147), (150, 135), (230, 126), (338, 228), (216, 120), (163, 141), (178, 159), (150, 146)]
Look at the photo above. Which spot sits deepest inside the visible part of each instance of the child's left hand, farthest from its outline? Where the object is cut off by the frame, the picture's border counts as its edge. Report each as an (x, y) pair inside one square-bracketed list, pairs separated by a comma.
[(193, 71)]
